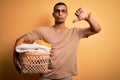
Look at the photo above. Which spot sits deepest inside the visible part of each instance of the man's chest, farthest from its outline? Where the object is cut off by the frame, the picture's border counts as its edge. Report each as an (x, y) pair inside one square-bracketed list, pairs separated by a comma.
[(53, 37)]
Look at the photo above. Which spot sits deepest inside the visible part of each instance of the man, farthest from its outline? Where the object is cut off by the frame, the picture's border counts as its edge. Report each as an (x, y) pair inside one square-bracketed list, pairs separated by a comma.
[(64, 42)]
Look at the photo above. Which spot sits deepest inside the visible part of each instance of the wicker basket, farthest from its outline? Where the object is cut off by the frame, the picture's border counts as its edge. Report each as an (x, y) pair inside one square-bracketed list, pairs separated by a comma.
[(34, 63)]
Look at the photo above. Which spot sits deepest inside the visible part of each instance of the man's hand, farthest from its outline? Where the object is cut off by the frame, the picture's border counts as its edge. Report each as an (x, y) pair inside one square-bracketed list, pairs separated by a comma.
[(81, 15), (16, 61)]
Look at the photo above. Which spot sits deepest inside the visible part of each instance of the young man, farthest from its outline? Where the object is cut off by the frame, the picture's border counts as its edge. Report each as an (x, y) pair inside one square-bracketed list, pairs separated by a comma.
[(64, 42)]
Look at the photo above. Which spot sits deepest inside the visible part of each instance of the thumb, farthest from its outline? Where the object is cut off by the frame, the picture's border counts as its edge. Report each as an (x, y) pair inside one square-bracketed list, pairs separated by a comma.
[(75, 20)]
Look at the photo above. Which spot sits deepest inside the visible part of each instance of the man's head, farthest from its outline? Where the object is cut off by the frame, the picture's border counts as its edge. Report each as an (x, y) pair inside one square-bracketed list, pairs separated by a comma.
[(60, 12)]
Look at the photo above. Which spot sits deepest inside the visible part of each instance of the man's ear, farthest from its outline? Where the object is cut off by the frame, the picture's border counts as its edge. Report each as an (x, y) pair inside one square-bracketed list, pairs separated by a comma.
[(53, 14)]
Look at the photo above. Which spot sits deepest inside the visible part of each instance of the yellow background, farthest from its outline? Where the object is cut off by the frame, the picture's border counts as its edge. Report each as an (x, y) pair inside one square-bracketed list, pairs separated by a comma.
[(98, 56)]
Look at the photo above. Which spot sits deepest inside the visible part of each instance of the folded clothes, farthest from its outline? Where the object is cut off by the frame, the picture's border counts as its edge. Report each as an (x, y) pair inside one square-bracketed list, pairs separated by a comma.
[(32, 48)]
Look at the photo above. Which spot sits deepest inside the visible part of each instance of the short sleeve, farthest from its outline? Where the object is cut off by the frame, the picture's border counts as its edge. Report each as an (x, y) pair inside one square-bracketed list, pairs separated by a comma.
[(35, 34), (83, 32)]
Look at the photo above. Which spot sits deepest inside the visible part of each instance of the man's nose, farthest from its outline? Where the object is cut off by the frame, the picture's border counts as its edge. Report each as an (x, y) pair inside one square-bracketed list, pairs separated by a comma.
[(60, 13)]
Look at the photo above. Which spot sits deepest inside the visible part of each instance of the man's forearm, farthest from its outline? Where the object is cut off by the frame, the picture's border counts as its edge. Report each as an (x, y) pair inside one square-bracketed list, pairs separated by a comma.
[(94, 26), (22, 39)]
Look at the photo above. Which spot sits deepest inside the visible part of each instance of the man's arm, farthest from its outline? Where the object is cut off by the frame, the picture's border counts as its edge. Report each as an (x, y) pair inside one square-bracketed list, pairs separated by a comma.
[(83, 15), (22, 39), (94, 26)]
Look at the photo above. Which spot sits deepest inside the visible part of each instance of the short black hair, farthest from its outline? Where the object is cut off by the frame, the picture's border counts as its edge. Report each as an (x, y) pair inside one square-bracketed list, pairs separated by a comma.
[(60, 3)]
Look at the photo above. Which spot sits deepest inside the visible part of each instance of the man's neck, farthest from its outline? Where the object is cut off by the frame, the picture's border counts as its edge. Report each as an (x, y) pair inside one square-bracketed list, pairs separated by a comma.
[(60, 27)]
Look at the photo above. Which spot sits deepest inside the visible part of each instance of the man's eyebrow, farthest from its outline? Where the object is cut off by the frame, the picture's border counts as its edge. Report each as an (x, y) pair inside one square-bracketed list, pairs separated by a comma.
[(60, 9)]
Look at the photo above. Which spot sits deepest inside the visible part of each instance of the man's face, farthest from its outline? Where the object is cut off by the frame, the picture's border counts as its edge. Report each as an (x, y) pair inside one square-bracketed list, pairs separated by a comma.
[(60, 13)]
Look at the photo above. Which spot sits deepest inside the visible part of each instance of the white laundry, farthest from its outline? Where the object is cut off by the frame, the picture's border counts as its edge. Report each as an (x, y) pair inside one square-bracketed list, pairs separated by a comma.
[(32, 48)]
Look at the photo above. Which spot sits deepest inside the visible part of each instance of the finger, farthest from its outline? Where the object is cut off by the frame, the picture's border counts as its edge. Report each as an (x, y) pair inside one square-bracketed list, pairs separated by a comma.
[(77, 14), (81, 9), (78, 11), (76, 20), (19, 64)]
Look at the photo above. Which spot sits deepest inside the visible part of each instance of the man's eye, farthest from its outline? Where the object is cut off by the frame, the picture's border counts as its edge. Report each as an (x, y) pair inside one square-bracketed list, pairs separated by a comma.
[(64, 11), (57, 10)]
